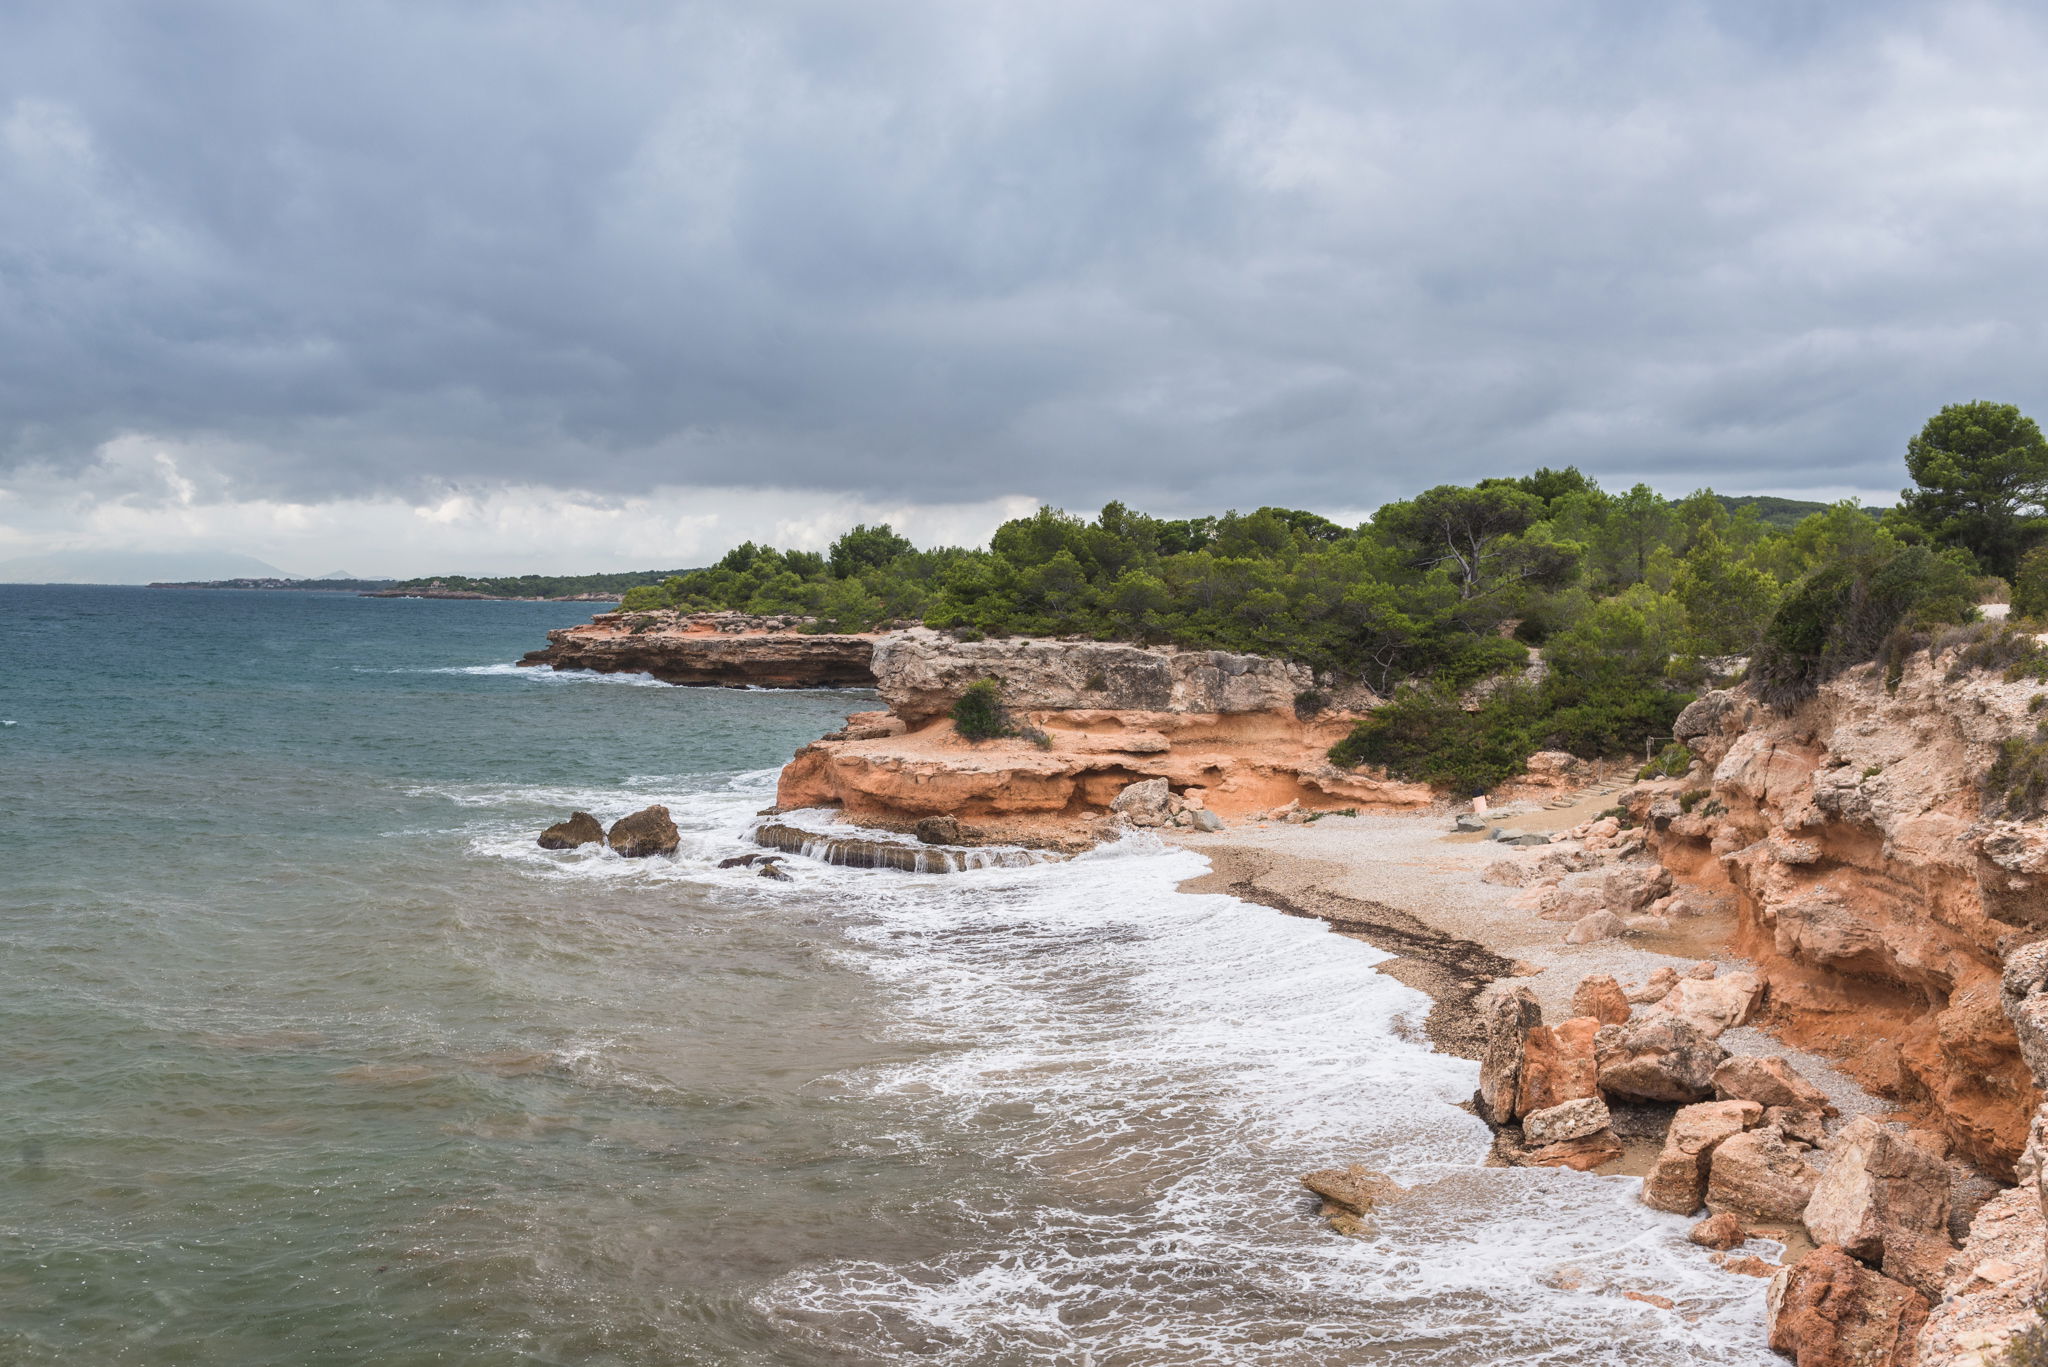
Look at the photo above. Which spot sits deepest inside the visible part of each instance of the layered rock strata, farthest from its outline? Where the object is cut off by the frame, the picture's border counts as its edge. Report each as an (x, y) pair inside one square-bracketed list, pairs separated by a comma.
[(1223, 734), (1877, 900), (711, 648)]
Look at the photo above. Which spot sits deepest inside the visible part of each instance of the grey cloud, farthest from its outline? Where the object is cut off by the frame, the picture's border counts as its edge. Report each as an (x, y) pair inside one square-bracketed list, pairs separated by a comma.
[(1185, 254)]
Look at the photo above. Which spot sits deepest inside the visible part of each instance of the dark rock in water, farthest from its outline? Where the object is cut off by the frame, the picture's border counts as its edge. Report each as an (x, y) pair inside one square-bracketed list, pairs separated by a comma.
[(738, 861), (938, 830), (580, 829), (861, 852), (772, 868), (646, 832)]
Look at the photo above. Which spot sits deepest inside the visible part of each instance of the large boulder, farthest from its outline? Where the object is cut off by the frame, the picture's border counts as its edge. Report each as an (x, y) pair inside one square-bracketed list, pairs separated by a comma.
[(580, 829), (1598, 995), (1713, 1005), (1557, 1065), (1657, 1058), (1632, 887), (1678, 1181), (1357, 1189), (648, 831), (1566, 1121), (1828, 1310), (1510, 1016), (1144, 803), (1769, 1082), (1601, 925), (1880, 1194), (1758, 1175)]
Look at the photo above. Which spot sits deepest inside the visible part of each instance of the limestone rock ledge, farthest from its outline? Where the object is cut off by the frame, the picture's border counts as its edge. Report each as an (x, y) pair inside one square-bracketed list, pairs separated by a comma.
[(1229, 734), (711, 648)]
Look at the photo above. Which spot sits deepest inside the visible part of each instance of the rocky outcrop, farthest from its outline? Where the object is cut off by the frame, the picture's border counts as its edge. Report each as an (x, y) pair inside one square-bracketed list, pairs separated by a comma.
[(921, 673), (1195, 738), (645, 833), (1884, 1199), (1876, 898), (580, 829), (1828, 1310), (725, 649)]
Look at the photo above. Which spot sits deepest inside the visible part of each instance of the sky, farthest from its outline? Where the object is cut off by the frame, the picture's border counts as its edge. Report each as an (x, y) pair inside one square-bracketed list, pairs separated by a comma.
[(411, 286)]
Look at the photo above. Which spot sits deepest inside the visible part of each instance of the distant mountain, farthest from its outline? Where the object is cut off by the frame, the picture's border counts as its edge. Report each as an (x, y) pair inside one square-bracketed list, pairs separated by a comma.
[(132, 567)]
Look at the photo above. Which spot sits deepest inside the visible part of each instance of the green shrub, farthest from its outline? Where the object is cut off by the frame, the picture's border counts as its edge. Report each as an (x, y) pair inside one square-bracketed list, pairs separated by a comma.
[(1671, 762), (1692, 797), (1425, 734), (1844, 614), (2016, 785), (1995, 647), (1310, 702), (2030, 584), (643, 598), (980, 714)]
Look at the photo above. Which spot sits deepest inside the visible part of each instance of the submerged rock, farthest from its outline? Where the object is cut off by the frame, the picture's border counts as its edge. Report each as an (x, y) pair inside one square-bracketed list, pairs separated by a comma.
[(580, 829), (644, 833)]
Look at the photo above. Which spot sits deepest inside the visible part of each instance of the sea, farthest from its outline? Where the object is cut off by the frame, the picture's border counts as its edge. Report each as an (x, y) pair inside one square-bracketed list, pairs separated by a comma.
[(310, 1057)]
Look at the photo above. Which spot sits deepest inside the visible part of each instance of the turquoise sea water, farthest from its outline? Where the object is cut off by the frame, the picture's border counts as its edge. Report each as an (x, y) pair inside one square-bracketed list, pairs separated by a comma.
[(309, 1056)]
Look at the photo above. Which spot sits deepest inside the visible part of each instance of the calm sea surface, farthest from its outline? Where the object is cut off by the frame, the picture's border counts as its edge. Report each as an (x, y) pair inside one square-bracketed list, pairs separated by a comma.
[(308, 1056)]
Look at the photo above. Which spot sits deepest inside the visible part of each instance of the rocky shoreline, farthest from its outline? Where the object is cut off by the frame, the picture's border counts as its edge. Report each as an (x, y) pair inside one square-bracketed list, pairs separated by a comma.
[(1803, 986)]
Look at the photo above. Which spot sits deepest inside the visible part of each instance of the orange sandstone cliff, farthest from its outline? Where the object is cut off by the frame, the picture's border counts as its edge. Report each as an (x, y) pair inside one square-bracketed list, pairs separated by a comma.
[(1228, 733), (1878, 901)]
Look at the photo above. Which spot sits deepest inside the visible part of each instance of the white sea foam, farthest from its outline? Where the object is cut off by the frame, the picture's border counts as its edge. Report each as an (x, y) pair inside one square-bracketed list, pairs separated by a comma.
[(1172, 1063), (1147, 1073)]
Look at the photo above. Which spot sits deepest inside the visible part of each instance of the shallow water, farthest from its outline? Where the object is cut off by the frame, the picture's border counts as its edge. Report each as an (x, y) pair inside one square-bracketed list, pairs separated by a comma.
[(312, 1057)]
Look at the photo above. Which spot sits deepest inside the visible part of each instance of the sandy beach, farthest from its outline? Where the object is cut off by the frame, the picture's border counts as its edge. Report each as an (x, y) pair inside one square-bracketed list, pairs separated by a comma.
[(1410, 885)]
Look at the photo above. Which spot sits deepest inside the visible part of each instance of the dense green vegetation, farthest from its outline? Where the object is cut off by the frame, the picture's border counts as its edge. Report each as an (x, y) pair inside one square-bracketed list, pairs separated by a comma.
[(1625, 599)]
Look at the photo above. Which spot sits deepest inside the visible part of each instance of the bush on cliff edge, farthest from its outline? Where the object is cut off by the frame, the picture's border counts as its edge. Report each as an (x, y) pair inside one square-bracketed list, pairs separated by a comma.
[(980, 714)]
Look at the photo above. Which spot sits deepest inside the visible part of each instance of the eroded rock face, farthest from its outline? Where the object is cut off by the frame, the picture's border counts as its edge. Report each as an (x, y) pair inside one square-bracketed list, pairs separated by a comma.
[(1874, 897), (1221, 732), (580, 829), (1828, 1310), (921, 673), (1510, 1016), (1991, 1285), (1557, 1065), (710, 649), (646, 832)]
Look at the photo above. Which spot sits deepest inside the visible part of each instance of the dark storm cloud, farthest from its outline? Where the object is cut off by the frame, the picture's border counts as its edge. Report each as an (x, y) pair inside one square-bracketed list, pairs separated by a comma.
[(1185, 253)]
